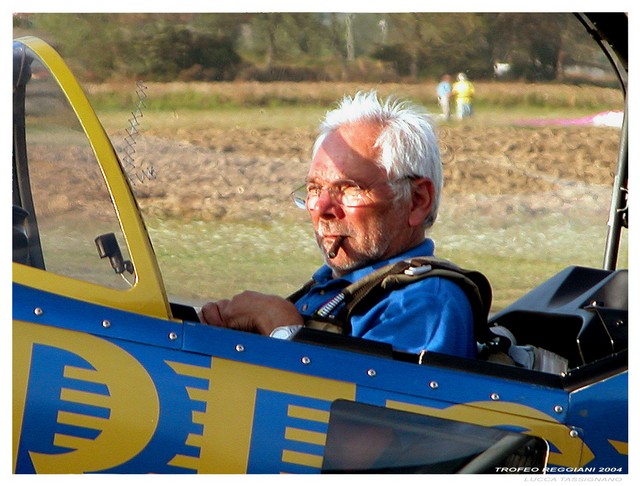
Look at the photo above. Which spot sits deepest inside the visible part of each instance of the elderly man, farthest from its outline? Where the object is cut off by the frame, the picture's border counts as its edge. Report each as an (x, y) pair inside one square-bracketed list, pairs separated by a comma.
[(372, 188)]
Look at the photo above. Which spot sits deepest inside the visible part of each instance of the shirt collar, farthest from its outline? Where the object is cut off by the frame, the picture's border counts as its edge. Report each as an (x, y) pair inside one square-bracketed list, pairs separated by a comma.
[(324, 275)]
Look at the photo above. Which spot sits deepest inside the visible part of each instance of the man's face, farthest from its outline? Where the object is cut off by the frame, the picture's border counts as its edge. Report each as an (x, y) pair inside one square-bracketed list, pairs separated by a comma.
[(375, 230)]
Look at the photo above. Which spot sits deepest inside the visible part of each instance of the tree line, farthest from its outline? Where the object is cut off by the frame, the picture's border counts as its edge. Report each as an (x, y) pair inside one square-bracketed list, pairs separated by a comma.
[(313, 46)]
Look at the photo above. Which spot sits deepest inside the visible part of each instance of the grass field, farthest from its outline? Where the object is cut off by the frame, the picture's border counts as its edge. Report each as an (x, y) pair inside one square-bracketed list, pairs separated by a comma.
[(208, 96), (218, 259)]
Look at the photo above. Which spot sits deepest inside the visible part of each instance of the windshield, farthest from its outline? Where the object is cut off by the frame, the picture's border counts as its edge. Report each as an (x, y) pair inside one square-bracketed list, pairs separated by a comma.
[(214, 116), (59, 185)]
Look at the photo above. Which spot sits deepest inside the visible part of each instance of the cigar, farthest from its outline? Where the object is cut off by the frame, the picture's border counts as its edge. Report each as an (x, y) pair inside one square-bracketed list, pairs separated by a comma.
[(335, 246)]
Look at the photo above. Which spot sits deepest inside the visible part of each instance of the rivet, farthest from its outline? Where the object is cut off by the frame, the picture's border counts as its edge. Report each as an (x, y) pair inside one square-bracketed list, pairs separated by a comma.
[(239, 348), (38, 311), (495, 396), (173, 336), (558, 409), (573, 433), (305, 360), (433, 385), (371, 372), (106, 323)]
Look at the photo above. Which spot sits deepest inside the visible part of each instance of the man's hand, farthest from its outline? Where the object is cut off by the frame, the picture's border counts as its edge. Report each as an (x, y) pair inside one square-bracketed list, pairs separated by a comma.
[(252, 312)]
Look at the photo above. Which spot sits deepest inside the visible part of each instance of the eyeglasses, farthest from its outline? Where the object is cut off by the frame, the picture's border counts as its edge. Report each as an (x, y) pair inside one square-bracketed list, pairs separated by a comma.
[(346, 192)]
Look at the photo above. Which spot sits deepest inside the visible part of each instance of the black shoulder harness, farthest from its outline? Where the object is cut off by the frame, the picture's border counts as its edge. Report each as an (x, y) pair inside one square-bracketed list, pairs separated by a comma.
[(364, 293)]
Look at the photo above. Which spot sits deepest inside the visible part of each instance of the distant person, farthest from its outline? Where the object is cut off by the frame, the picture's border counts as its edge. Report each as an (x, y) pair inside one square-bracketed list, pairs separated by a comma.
[(443, 90), (464, 92), (372, 191)]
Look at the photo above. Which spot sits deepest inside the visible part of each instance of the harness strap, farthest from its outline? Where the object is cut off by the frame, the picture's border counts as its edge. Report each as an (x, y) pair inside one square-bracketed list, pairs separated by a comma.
[(371, 288)]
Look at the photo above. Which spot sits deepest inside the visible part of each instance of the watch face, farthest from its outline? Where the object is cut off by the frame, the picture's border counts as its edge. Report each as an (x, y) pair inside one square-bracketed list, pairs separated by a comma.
[(284, 332)]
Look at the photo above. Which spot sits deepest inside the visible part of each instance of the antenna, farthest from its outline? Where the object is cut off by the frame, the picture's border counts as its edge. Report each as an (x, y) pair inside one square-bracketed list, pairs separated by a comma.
[(133, 172)]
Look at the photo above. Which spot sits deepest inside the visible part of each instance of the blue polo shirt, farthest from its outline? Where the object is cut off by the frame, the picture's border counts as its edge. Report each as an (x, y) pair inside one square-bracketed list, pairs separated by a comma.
[(431, 314)]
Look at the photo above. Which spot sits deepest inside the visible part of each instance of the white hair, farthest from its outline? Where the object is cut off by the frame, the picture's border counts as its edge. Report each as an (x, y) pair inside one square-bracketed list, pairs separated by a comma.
[(407, 143)]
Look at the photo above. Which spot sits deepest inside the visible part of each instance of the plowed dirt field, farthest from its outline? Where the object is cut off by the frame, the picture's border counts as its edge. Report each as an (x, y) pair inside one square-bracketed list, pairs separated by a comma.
[(247, 174)]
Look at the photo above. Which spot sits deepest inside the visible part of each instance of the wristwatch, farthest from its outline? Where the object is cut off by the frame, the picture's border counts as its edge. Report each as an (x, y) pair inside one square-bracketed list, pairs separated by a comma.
[(284, 332)]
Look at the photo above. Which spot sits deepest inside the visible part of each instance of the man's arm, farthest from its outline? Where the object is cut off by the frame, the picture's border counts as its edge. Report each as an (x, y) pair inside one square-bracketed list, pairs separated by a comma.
[(252, 312)]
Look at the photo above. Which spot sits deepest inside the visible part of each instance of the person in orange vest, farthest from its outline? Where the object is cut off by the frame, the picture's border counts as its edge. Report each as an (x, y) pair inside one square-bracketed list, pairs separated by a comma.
[(464, 92)]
